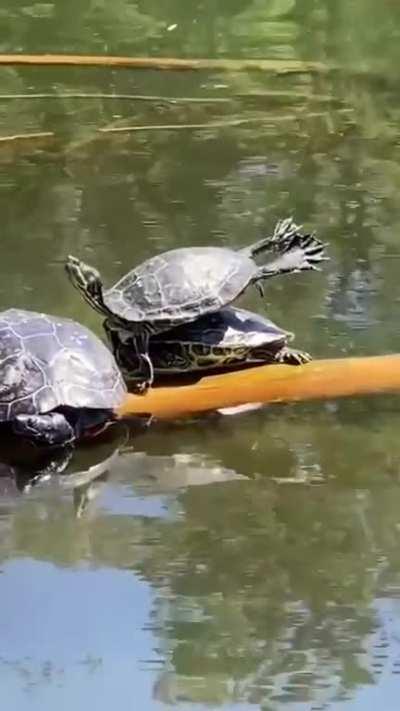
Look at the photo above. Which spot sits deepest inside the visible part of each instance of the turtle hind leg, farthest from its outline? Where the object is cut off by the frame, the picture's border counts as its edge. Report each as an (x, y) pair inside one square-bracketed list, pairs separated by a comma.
[(302, 253), (49, 430), (284, 231), (292, 356)]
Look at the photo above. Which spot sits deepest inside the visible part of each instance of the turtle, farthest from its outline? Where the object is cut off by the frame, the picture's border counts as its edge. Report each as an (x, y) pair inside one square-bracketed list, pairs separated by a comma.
[(180, 285), (58, 381), (221, 340)]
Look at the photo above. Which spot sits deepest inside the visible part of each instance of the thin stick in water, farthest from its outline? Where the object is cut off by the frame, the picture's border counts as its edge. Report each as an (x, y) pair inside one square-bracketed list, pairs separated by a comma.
[(123, 97), (26, 136)]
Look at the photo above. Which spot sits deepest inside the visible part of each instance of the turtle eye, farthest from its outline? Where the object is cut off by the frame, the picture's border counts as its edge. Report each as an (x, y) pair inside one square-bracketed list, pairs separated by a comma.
[(125, 337)]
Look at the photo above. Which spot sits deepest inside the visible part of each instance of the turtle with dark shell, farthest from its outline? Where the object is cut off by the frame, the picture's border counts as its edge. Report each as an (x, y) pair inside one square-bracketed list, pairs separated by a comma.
[(58, 381), (221, 340), (178, 286)]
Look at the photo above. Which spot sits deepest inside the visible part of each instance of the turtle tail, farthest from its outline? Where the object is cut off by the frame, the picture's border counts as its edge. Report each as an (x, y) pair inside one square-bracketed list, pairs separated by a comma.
[(283, 234)]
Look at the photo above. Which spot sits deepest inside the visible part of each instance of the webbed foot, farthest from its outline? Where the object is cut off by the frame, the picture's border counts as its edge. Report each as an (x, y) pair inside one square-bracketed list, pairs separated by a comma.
[(310, 251), (292, 356), (298, 254)]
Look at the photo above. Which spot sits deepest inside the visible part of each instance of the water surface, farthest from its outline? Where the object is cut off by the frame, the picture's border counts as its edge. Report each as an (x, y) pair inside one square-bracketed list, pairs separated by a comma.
[(239, 562)]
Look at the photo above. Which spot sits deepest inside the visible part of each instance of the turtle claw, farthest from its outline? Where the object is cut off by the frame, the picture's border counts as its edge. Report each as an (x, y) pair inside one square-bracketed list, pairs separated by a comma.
[(313, 255), (260, 289), (292, 356), (146, 367), (141, 388)]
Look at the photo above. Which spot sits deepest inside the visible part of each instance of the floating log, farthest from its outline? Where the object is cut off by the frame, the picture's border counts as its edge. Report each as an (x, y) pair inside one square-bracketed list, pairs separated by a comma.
[(320, 379)]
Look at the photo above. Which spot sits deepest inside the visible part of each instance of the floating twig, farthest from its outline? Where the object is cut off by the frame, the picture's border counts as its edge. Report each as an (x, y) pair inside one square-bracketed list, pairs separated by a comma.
[(26, 136), (130, 97), (275, 66), (181, 126), (214, 124)]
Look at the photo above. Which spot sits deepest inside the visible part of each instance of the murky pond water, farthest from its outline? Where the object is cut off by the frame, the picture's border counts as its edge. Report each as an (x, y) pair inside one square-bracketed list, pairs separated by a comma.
[(249, 561)]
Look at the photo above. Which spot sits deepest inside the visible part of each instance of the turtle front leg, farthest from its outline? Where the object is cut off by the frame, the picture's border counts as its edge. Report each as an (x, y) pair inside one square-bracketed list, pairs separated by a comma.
[(145, 364), (292, 356), (260, 288), (50, 430)]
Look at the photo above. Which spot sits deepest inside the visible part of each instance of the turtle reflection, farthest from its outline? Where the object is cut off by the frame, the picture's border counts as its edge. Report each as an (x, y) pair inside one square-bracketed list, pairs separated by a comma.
[(81, 471)]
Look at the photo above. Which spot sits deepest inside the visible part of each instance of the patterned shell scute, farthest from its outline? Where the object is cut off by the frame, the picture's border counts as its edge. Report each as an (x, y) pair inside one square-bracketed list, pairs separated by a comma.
[(181, 284), (47, 362), (228, 327)]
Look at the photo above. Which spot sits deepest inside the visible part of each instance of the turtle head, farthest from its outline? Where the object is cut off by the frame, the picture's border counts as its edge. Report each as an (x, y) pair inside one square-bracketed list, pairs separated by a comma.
[(87, 280)]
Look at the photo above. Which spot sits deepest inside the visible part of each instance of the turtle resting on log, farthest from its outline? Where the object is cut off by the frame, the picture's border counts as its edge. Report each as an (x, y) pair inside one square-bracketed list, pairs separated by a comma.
[(58, 381), (225, 339), (178, 286)]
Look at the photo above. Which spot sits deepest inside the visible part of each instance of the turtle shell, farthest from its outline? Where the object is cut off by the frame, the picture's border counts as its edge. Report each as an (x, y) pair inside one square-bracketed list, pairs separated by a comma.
[(48, 362), (180, 285), (227, 328)]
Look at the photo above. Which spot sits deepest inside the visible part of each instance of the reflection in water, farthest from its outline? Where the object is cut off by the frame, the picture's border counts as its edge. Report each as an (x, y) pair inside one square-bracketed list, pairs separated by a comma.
[(22, 468), (280, 599), (261, 593), (80, 470)]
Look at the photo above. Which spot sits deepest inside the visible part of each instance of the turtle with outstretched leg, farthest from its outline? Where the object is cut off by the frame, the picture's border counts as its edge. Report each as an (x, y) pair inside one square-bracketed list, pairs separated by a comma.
[(178, 286), (58, 381)]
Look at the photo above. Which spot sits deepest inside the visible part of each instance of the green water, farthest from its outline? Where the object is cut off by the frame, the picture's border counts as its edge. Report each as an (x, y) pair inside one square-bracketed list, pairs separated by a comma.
[(247, 562)]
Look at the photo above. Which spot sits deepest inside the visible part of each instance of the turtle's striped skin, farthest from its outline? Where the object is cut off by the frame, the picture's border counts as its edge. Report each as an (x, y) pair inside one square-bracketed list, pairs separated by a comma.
[(221, 340), (57, 379), (181, 285)]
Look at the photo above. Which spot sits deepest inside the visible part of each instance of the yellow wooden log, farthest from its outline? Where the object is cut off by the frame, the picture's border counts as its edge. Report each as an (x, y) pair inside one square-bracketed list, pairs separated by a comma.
[(271, 384)]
